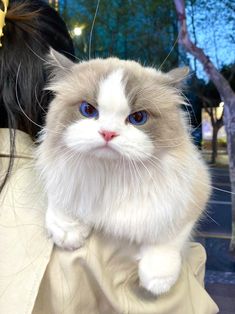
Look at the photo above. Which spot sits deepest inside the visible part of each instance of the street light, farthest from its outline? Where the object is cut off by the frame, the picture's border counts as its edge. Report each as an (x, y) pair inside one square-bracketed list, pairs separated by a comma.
[(77, 31), (79, 39)]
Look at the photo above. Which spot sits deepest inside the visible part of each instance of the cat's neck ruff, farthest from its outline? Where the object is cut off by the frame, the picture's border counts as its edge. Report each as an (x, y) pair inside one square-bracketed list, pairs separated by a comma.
[(104, 191)]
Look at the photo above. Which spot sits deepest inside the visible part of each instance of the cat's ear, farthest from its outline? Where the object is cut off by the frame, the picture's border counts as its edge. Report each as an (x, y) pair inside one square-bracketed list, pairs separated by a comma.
[(178, 75), (58, 64)]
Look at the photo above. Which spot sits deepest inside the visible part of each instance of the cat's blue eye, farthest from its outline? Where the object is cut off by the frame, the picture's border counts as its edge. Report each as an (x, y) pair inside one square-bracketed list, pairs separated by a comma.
[(138, 118), (88, 111)]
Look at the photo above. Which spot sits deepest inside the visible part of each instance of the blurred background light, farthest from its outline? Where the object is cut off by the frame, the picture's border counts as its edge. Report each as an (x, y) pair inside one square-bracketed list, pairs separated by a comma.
[(77, 31)]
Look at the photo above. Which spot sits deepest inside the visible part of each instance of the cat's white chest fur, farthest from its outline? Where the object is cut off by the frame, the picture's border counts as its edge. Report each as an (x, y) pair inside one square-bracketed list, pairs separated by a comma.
[(135, 201)]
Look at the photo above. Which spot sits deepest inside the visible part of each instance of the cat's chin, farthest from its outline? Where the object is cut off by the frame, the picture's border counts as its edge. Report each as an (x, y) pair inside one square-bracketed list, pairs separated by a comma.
[(106, 152)]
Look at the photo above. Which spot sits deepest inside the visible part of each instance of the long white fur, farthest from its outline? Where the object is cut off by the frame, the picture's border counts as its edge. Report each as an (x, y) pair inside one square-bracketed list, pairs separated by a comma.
[(121, 189)]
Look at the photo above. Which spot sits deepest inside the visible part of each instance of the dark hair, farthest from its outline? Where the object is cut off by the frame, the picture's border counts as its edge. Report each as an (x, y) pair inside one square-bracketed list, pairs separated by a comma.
[(32, 27)]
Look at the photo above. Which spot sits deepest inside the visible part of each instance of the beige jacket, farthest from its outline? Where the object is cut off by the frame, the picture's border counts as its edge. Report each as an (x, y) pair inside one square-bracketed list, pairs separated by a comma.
[(38, 278)]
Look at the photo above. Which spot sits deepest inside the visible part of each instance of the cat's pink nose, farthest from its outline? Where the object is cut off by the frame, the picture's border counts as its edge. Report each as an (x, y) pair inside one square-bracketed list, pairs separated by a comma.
[(108, 135)]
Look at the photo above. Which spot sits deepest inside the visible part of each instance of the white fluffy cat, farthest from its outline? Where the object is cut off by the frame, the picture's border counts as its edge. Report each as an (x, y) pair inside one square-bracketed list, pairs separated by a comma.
[(116, 156)]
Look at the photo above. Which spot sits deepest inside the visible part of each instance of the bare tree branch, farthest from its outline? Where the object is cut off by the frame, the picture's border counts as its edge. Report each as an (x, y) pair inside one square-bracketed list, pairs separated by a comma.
[(226, 93)]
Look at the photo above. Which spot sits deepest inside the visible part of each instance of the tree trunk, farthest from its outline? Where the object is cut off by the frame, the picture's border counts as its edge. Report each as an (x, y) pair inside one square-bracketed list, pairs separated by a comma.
[(226, 93), (232, 243)]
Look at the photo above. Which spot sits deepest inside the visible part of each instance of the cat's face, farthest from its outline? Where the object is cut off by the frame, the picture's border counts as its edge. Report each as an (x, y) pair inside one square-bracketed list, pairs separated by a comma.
[(115, 109)]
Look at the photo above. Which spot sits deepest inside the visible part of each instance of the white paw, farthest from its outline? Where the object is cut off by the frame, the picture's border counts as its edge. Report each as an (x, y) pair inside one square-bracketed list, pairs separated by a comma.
[(67, 234), (159, 268)]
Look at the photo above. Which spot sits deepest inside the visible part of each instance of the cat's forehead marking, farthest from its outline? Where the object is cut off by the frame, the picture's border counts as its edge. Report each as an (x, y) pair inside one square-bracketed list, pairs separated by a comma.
[(111, 95)]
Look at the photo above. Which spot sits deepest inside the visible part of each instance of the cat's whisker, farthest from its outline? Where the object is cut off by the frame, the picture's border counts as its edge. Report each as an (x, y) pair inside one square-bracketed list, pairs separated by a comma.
[(74, 56), (185, 171), (188, 116), (92, 28), (37, 100), (22, 110), (170, 140), (70, 157), (147, 170), (156, 166), (139, 176), (150, 159), (168, 55), (192, 109), (149, 173), (205, 212), (207, 185), (167, 139), (130, 171), (197, 127), (135, 178), (134, 174), (193, 201), (123, 166), (47, 62), (66, 155), (170, 146)]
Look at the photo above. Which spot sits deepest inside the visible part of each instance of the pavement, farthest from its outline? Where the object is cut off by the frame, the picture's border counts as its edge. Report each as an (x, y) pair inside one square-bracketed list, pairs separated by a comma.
[(224, 297), (214, 233), (217, 222)]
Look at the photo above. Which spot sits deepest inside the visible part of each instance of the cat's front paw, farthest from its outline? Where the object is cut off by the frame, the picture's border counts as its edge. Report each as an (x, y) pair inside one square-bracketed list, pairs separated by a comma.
[(159, 269), (67, 234)]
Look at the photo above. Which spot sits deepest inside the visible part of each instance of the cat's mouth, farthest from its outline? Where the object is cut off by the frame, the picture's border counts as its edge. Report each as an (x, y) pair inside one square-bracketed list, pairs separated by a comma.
[(106, 147), (105, 150)]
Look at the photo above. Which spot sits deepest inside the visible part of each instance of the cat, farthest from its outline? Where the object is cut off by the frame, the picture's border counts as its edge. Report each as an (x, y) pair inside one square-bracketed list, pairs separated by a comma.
[(116, 156)]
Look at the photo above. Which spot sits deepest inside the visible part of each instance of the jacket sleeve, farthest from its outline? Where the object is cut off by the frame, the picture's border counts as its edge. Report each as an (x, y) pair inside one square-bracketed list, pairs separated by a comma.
[(102, 278)]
